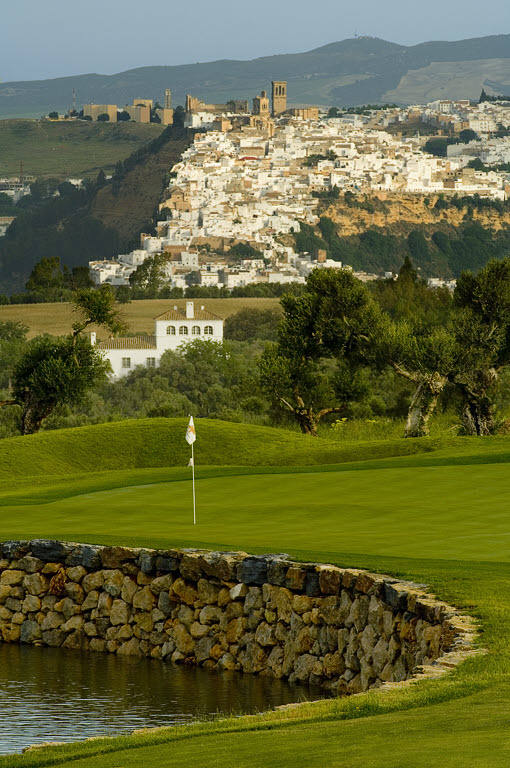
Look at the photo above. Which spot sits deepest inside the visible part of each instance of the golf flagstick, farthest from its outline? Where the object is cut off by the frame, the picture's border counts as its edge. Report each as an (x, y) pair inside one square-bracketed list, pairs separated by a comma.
[(191, 436)]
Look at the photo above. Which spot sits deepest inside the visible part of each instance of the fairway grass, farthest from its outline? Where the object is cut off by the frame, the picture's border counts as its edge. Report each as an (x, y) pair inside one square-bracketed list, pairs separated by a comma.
[(433, 511)]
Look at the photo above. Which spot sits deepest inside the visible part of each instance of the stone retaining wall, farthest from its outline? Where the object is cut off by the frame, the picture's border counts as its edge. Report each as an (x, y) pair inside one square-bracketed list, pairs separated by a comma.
[(347, 630)]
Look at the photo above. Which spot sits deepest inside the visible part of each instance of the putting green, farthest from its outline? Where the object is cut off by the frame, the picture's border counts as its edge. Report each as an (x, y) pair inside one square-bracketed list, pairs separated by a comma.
[(457, 512)]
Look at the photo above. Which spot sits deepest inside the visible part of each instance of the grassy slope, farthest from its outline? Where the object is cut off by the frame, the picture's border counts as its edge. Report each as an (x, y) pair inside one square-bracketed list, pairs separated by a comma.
[(437, 515), (64, 149), (57, 319)]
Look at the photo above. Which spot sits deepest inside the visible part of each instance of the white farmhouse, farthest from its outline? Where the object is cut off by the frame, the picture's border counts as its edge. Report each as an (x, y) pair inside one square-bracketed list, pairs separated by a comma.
[(172, 329)]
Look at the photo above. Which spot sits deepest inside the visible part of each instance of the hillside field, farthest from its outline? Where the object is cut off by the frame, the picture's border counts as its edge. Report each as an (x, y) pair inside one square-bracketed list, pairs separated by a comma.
[(432, 510), (57, 319), (68, 148)]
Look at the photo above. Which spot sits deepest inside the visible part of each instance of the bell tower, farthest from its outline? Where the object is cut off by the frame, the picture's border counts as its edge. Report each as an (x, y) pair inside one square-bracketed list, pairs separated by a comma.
[(279, 97)]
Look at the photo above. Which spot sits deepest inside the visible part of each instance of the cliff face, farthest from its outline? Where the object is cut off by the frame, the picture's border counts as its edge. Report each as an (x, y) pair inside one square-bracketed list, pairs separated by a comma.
[(400, 214)]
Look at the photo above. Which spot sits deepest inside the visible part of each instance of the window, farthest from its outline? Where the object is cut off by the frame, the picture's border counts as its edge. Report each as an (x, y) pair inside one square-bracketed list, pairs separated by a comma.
[(126, 362), (208, 330), (195, 330), (151, 362), (183, 330), (170, 330)]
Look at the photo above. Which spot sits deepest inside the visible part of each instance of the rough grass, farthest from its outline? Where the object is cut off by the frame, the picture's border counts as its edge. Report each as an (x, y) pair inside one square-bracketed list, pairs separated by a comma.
[(63, 149), (57, 318), (436, 512), (138, 443)]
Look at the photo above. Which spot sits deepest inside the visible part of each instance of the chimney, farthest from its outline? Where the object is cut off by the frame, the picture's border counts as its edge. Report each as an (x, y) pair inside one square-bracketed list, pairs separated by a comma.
[(190, 310), (93, 338)]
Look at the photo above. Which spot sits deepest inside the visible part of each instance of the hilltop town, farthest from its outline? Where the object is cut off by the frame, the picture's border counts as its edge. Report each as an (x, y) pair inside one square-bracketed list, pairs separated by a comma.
[(252, 178)]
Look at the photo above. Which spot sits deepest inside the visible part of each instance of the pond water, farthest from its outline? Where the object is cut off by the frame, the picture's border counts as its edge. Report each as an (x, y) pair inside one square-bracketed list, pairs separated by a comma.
[(50, 694)]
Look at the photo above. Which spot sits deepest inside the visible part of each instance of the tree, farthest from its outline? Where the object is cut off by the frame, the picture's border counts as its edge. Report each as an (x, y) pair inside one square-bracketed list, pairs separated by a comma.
[(53, 372), (249, 324), (483, 335), (123, 116), (53, 115), (418, 247), (100, 179), (59, 371), (437, 147), (468, 135), (179, 115), (424, 359), (149, 277), (312, 370), (407, 272), (333, 112), (12, 342), (46, 281), (123, 294), (104, 117), (77, 278)]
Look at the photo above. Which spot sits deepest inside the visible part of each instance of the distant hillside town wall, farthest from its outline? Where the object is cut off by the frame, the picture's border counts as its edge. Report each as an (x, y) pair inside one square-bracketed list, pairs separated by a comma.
[(140, 111), (345, 629)]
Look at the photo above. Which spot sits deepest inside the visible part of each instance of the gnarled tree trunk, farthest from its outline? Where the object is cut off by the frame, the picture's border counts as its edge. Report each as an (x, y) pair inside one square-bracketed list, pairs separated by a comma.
[(477, 411), (424, 400), (307, 419)]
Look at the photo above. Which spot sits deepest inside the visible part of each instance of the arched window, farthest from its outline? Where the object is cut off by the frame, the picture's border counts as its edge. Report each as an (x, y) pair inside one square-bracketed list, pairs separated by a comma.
[(195, 330), (183, 330), (208, 330), (170, 330)]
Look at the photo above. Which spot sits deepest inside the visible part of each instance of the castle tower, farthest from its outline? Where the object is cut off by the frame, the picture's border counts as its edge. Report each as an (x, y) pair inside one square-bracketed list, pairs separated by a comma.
[(279, 95), (261, 104), (168, 98)]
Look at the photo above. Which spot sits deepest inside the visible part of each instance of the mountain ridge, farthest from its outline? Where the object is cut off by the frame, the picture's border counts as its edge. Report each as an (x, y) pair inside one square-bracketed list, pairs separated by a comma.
[(351, 71)]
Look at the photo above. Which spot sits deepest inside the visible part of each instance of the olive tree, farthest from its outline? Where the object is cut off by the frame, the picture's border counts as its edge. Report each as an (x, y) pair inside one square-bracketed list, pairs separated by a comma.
[(59, 371), (483, 336), (312, 369), (426, 359)]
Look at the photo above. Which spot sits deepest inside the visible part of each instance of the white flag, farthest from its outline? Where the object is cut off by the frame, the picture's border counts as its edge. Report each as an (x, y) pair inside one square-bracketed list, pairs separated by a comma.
[(191, 435)]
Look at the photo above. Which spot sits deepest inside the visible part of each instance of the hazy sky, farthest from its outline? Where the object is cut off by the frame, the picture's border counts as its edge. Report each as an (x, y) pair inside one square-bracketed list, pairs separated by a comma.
[(51, 38)]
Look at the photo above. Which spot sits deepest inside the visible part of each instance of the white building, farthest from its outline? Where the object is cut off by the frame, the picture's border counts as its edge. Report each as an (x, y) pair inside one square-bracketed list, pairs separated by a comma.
[(172, 329)]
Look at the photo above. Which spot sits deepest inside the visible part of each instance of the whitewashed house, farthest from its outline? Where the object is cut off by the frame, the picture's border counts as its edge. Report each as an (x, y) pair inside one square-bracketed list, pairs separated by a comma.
[(172, 329)]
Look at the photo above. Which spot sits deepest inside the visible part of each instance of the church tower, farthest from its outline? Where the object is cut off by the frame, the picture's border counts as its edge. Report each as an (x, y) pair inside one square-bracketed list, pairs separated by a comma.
[(279, 95), (261, 104)]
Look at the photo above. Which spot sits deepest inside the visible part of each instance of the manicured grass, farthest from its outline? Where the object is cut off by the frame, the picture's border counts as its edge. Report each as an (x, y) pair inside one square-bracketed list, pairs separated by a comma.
[(63, 149), (434, 511), (57, 318)]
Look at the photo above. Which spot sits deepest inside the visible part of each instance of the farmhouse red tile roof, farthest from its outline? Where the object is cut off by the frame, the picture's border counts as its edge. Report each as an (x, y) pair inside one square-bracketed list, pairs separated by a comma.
[(129, 342), (180, 314)]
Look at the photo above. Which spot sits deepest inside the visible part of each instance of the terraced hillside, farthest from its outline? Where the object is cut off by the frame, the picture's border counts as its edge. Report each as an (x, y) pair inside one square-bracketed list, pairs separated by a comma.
[(434, 511)]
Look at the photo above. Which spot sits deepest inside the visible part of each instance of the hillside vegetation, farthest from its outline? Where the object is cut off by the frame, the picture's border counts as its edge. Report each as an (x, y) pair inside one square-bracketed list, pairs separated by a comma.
[(376, 232), (97, 221), (354, 71), (68, 149), (438, 517)]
